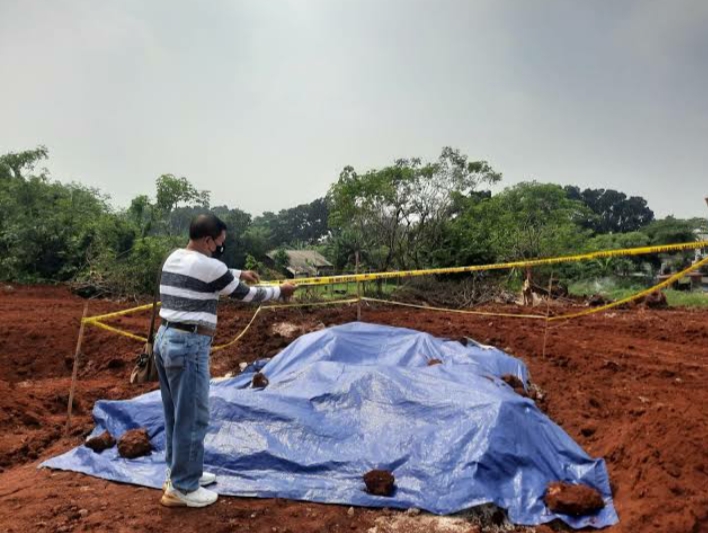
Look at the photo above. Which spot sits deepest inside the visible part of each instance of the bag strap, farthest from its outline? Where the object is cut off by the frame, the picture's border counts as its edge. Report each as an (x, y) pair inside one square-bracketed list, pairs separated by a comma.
[(155, 298)]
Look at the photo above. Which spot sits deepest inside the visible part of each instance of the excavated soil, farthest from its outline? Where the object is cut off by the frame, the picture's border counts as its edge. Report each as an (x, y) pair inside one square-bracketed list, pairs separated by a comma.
[(134, 443), (379, 482), (515, 383), (101, 442), (573, 500), (259, 381), (627, 385)]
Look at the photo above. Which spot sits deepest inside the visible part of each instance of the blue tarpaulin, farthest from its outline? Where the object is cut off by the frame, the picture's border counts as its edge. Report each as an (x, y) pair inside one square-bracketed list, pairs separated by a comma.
[(352, 398)]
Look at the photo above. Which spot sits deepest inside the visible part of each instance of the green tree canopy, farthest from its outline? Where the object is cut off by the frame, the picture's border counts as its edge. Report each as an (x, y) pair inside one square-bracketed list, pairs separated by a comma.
[(398, 213), (525, 221), (613, 211)]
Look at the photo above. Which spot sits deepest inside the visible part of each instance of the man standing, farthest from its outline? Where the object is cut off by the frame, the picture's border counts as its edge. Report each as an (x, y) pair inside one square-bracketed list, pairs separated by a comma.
[(192, 281)]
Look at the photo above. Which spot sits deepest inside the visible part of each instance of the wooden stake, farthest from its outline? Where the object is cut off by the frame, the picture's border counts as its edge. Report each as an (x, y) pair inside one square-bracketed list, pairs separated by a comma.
[(75, 371), (548, 312), (358, 289)]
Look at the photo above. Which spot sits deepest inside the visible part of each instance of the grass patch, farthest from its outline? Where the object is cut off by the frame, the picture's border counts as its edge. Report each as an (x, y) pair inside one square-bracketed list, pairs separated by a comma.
[(618, 290), (686, 299)]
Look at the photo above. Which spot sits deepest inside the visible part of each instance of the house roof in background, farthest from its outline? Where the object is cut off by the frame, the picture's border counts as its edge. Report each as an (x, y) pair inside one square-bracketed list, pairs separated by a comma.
[(303, 261)]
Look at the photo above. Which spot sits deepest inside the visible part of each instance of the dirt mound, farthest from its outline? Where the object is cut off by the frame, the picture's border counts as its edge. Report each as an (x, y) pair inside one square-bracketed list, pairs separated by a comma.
[(134, 443), (379, 482), (574, 500)]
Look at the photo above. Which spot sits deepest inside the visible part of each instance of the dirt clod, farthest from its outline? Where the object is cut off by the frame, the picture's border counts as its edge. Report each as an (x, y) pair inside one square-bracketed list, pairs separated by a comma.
[(134, 443), (574, 500), (102, 442), (515, 383), (379, 482), (596, 300), (655, 300), (260, 381)]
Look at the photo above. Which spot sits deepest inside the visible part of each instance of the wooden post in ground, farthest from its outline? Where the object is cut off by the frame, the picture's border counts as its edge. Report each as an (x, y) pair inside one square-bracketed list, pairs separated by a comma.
[(358, 288), (75, 371), (548, 313)]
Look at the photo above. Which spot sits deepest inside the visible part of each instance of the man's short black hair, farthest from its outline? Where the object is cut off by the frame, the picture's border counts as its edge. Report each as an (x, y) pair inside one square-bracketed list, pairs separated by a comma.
[(208, 225)]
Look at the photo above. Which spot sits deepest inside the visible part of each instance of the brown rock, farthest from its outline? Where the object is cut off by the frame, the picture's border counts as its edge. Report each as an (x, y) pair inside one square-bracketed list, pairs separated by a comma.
[(596, 300), (134, 443), (260, 381), (434, 362), (104, 441), (655, 300), (515, 383), (379, 482), (574, 500)]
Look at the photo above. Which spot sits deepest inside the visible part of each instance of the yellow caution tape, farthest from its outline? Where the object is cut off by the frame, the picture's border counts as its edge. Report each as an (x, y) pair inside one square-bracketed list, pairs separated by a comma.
[(657, 287), (120, 313), (238, 337), (460, 311), (329, 280), (313, 304), (603, 254), (94, 321), (278, 306), (115, 330)]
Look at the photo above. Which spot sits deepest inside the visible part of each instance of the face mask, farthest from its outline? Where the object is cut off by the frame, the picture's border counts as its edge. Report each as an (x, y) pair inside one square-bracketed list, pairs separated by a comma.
[(216, 254)]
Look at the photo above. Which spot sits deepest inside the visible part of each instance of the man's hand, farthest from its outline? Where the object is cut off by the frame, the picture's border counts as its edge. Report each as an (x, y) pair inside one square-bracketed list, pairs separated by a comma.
[(250, 276), (287, 290)]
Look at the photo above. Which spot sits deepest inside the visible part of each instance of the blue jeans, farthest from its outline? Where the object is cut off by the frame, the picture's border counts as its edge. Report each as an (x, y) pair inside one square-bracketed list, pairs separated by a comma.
[(183, 368)]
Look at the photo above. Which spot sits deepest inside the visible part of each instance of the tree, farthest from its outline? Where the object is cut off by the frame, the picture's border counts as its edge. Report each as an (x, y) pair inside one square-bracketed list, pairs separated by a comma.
[(303, 225), (171, 192), (526, 221), (281, 260), (142, 213), (238, 222), (670, 230), (47, 228), (613, 211), (17, 164), (619, 266), (397, 214), (257, 241)]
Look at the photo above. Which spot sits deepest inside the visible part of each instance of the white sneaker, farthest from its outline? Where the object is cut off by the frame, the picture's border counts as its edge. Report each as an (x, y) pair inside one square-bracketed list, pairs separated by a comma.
[(198, 498), (207, 479)]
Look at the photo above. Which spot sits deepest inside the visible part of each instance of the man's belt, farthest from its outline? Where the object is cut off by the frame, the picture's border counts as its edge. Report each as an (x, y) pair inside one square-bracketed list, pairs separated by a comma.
[(192, 328)]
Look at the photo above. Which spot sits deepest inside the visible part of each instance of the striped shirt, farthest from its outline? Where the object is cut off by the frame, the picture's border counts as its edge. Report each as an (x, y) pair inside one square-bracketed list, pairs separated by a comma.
[(192, 282)]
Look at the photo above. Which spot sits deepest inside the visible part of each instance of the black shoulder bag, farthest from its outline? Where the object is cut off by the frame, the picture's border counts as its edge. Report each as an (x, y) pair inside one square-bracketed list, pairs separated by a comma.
[(145, 369)]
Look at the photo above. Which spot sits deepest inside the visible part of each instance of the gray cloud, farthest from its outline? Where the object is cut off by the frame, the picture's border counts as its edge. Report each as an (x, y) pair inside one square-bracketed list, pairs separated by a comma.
[(263, 102)]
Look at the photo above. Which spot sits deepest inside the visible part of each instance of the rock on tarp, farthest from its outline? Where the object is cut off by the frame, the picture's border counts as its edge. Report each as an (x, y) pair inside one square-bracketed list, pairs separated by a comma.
[(349, 399)]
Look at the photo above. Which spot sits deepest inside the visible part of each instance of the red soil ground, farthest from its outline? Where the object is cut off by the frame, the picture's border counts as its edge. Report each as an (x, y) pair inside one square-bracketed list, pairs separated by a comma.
[(627, 385)]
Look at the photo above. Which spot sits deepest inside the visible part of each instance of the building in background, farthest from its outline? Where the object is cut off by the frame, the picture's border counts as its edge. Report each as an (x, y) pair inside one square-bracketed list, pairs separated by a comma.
[(300, 263)]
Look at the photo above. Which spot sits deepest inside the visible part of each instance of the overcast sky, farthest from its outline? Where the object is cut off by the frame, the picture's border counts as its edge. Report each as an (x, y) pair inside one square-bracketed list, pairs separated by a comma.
[(264, 101)]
